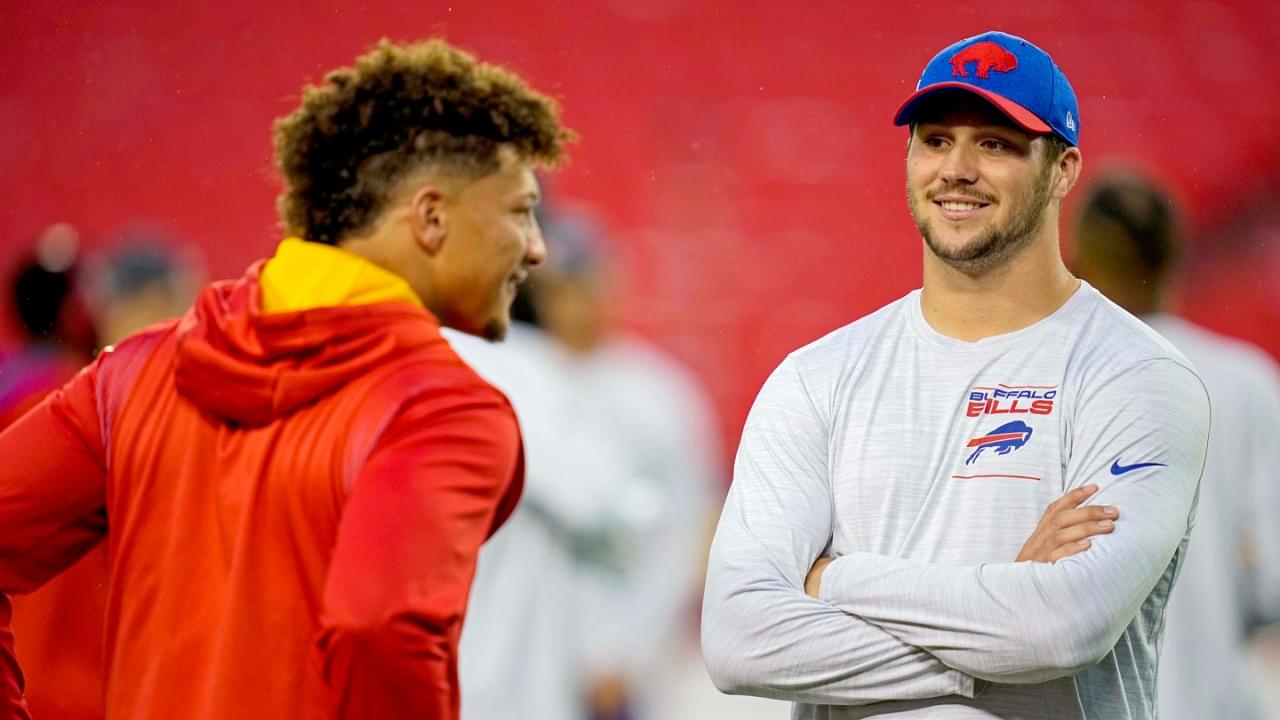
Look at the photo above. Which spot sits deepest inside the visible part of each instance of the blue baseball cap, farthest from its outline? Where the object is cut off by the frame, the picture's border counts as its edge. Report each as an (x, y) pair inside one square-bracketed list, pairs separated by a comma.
[(1020, 79)]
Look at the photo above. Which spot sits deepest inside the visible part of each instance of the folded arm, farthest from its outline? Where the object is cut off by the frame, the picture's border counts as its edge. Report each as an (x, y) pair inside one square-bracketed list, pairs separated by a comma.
[(1030, 622), (761, 635)]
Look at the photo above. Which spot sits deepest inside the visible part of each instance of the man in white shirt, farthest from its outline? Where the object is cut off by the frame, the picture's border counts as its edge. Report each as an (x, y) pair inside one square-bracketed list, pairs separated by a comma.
[(580, 602), (1127, 246), (900, 467), (638, 579), (519, 655)]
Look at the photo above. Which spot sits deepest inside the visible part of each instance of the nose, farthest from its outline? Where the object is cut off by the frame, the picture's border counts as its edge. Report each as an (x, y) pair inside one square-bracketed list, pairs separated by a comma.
[(536, 251), (960, 164)]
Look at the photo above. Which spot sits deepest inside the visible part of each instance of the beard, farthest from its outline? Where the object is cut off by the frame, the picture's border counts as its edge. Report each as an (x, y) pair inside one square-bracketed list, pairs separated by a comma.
[(495, 329), (994, 244)]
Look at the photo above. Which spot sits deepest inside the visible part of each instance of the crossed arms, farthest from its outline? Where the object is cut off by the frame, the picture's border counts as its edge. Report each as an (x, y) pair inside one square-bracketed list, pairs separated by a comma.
[(895, 629)]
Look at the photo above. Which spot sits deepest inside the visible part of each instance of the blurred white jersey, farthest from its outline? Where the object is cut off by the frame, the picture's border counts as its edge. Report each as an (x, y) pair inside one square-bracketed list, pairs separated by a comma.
[(1230, 574), (592, 572), (519, 657), (640, 586)]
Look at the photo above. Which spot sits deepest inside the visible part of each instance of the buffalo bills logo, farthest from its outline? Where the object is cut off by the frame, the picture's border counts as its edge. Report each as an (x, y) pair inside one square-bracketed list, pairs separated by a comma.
[(988, 55), (1004, 440)]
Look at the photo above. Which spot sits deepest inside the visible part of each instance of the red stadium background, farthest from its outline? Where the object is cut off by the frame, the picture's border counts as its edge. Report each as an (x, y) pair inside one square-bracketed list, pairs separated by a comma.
[(741, 152)]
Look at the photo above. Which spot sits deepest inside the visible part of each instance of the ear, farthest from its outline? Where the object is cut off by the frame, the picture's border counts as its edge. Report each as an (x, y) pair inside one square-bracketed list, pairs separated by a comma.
[(429, 218), (1070, 163)]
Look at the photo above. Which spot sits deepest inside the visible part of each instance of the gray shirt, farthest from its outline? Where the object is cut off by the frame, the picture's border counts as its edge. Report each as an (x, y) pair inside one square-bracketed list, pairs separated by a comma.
[(923, 463)]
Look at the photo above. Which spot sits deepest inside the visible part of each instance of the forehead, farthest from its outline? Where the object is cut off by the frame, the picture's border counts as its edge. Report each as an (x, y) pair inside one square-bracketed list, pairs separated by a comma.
[(960, 108)]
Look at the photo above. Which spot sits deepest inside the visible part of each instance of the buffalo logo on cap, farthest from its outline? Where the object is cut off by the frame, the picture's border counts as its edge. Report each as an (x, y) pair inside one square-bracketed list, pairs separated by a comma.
[(988, 55)]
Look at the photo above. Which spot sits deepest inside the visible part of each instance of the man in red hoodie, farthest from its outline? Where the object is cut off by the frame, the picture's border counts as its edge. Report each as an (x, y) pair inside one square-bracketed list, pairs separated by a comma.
[(293, 480)]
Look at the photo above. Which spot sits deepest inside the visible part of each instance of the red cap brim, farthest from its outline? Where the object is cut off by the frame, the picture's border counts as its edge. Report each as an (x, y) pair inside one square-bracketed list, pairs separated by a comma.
[(1020, 115)]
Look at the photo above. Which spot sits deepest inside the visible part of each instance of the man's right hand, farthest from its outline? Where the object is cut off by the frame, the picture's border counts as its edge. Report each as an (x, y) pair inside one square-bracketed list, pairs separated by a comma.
[(1066, 527)]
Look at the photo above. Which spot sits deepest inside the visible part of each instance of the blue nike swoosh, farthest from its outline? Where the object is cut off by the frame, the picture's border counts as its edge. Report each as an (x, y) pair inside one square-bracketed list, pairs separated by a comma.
[(1118, 469)]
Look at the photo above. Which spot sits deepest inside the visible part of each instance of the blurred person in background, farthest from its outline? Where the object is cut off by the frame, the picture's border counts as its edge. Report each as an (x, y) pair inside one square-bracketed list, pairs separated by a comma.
[(520, 654), (147, 278), (46, 293), (581, 603), (639, 579), (62, 628), (294, 478), (971, 503), (1127, 243)]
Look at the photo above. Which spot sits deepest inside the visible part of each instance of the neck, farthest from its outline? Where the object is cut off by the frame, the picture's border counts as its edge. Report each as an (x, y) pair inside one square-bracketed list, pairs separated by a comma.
[(1021, 292), (389, 245)]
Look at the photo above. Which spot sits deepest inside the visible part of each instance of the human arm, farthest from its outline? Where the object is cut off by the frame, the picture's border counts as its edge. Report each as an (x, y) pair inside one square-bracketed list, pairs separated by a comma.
[(1031, 622), (1063, 530), (571, 462), (761, 635), (51, 504), (444, 472)]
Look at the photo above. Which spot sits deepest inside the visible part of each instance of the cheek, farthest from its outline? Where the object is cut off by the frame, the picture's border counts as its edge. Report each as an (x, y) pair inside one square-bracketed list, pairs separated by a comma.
[(918, 174)]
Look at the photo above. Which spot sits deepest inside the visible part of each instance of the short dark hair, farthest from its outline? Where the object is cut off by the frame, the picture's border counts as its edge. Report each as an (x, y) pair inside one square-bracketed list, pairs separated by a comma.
[(401, 108), (1054, 146), (1143, 213)]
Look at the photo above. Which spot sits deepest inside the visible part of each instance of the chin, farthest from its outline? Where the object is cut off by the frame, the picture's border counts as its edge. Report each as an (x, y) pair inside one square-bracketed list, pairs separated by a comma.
[(495, 330)]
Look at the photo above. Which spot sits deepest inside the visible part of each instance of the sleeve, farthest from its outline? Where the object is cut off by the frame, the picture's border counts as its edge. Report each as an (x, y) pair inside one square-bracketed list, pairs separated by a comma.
[(52, 504), (761, 634), (445, 473), (1141, 438)]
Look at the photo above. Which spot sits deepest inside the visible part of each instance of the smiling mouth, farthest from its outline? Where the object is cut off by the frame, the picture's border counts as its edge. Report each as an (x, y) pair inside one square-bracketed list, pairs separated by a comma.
[(959, 206)]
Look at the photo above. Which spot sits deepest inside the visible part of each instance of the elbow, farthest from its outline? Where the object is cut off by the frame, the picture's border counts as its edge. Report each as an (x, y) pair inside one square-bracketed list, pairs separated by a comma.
[(399, 645), (1085, 650), (1064, 647), (736, 664), (727, 670)]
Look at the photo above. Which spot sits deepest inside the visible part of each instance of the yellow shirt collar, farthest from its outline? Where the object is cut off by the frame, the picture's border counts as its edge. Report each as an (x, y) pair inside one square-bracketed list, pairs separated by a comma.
[(305, 275)]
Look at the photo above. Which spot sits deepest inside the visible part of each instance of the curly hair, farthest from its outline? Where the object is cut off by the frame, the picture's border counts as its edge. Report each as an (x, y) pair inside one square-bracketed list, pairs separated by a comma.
[(402, 108)]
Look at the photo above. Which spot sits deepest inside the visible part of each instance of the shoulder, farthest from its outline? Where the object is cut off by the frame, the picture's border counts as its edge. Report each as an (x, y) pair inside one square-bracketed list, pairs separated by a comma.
[(434, 380), (120, 367), (1212, 351), (1115, 334), (650, 369), (142, 343), (819, 371), (841, 348), (1111, 343), (523, 363), (1239, 375)]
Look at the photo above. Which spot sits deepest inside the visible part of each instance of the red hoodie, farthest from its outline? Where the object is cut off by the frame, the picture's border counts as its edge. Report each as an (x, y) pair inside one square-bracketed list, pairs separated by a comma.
[(292, 505)]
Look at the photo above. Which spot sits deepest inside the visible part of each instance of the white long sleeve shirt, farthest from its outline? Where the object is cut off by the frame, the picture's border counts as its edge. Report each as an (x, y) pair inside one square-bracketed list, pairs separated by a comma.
[(923, 464)]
